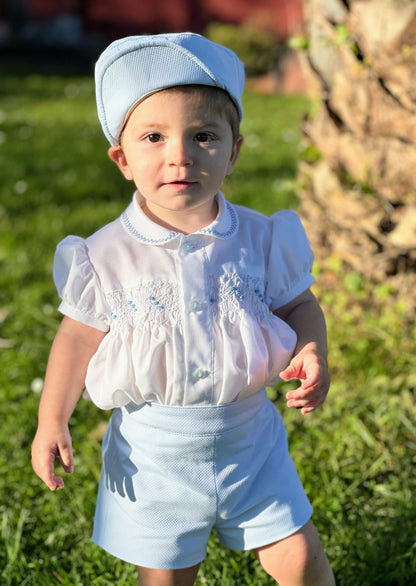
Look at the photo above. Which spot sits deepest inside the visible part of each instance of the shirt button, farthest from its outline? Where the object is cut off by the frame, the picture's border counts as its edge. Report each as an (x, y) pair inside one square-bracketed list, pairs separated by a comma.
[(196, 305), (187, 247), (200, 373)]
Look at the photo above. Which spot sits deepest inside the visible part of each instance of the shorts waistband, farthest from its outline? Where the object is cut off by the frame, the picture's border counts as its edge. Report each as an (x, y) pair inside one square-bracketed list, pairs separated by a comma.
[(195, 419)]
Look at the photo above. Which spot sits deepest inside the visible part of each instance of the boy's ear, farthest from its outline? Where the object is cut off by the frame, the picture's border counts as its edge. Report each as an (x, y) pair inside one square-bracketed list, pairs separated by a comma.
[(117, 155), (234, 154)]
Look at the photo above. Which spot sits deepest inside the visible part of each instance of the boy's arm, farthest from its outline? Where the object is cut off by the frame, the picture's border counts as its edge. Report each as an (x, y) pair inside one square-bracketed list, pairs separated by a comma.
[(72, 349), (309, 363)]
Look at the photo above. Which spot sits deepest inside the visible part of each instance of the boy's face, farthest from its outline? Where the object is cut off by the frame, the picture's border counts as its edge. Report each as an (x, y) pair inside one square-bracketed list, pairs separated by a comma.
[(177, 151)]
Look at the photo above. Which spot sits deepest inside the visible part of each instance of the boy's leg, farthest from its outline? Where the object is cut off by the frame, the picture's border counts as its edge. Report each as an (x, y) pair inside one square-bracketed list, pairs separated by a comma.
[(297, 560), (151, 577)]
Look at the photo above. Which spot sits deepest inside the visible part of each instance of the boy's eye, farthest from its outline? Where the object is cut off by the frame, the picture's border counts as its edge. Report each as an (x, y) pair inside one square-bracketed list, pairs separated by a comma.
[(204, 137), (153, 137)]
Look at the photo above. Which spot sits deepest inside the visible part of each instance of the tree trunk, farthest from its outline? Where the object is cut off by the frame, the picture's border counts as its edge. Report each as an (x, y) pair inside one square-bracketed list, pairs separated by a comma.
[(358, 196)]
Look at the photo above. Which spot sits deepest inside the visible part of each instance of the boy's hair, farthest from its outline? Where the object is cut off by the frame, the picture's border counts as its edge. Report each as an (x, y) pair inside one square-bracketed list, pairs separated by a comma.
[(216, 100)]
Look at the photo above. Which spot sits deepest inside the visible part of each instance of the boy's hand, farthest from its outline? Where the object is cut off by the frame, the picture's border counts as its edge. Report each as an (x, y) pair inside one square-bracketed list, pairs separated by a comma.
[(312, 370), (47, 446)]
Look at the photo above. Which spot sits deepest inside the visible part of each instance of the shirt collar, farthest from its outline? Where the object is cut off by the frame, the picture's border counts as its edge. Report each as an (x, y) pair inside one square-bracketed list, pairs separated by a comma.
[(142, 228)]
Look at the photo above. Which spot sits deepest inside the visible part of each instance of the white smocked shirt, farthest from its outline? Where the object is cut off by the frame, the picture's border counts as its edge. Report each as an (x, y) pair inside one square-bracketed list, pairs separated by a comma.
[(188, 317)]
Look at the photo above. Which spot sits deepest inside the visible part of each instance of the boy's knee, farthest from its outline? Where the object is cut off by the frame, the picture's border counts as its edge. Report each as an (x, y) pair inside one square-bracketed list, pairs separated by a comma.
[(309, 552), (152, 577), (298, 560)]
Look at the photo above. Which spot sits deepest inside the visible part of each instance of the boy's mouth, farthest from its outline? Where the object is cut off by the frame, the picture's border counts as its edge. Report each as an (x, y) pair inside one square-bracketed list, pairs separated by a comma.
[(181, 183)]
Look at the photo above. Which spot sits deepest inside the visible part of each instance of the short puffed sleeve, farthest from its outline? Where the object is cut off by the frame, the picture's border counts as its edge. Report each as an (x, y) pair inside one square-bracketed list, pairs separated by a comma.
[(78, 284), (290, 260)]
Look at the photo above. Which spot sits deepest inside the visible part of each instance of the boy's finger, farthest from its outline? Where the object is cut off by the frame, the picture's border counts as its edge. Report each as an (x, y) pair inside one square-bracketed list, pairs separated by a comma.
[(46, 474), (44, 468), (303, 406), (57, 482), (291, 371), (66, 458), (301, 394), (52, 482)]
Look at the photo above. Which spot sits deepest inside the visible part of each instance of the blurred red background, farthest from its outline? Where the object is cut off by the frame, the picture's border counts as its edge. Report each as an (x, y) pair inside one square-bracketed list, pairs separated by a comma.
[(115, 18)]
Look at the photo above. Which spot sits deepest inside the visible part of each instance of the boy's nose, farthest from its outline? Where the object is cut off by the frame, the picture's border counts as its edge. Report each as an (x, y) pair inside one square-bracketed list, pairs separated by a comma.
[(180, 154)]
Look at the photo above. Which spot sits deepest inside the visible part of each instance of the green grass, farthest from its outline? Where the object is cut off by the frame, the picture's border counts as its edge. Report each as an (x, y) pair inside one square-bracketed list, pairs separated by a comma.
[(356, 455)]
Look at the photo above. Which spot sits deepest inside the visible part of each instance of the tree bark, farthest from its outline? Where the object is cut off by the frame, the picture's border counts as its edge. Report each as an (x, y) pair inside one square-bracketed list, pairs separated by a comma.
[(358, 199)]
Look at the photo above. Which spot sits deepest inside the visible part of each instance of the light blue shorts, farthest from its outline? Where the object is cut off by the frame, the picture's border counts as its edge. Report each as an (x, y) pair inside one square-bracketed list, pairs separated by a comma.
[(172, 474)]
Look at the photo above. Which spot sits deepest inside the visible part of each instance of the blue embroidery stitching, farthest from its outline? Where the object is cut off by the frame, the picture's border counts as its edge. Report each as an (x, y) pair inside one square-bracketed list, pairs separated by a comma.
[(212, 231), (136, 234), (233, 228)]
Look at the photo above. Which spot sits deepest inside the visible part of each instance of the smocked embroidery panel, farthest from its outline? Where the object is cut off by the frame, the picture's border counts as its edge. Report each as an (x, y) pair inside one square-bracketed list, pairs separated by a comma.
[(157, 302), (232, 292), (154, 302)]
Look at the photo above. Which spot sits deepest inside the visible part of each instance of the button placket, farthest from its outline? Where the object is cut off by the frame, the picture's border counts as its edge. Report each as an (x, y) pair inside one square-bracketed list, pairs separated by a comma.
[(196, 319)]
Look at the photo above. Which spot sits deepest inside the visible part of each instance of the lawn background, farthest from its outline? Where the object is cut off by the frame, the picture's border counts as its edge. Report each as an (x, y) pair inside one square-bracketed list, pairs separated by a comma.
[(355, 455)]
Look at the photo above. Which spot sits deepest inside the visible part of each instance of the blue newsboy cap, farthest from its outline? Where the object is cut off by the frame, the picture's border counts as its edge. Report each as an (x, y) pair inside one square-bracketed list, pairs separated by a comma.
[(135, 67)]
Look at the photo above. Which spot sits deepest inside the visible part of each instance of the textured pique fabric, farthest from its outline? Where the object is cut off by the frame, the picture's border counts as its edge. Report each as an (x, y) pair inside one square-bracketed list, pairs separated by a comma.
[(172, 474)]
